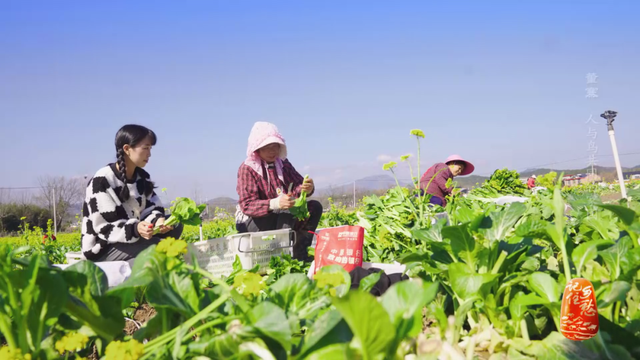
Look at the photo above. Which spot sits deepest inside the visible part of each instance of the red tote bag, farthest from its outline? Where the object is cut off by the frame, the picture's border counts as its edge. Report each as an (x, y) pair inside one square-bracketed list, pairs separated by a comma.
[(340, 245)]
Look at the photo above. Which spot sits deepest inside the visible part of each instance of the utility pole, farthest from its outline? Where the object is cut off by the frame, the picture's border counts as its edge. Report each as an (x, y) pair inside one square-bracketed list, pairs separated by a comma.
[(610, 115), (354, 194), (55, 221)]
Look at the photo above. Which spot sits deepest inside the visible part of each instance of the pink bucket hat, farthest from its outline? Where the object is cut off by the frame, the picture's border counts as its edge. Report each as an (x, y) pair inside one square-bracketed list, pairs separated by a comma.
[(468, 167)]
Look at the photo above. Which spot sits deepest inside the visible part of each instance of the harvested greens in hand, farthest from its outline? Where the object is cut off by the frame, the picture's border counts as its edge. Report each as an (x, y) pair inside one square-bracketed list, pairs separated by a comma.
[(299, 209), (185, 211)]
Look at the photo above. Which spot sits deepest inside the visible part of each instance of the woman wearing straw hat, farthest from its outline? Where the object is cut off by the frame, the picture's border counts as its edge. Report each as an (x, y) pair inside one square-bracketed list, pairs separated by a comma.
[(434, 180)]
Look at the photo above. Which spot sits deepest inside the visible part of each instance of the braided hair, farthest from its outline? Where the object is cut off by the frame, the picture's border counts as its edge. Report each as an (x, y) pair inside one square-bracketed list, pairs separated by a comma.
[(132, 135)]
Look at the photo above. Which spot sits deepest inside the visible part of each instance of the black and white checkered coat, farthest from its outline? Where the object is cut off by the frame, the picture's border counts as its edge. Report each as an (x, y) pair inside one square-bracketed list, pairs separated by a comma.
[(105, 219)]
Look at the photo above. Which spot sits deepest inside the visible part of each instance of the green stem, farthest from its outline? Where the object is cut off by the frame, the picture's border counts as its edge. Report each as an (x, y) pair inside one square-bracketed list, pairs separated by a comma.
[(471, 319), (411, 172), (396, 179), (5, 326), (498, 264), (208, 325), (524, 329), (165, 322), (5, 329), (616, 313), (561, 230), (471, 347), (565, 261), (162, 339), (419, 174), (309, 309), (208, 275), (22, 329), (402, 194), (556, 320)]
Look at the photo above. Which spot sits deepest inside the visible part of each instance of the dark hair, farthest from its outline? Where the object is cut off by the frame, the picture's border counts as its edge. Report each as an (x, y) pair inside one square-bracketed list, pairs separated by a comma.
[(132, 135)]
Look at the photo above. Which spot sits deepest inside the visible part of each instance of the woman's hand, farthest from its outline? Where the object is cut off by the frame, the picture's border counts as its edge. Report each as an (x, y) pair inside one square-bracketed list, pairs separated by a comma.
[(163, 229), (286, 201), (145, 229), (307, 186)]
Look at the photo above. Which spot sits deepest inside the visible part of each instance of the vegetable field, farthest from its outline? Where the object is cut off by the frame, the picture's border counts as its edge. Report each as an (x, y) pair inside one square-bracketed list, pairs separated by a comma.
[(486, 282)]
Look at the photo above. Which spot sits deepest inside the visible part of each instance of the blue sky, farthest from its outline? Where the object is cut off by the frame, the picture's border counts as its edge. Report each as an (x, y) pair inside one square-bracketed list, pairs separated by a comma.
[(501, 83)]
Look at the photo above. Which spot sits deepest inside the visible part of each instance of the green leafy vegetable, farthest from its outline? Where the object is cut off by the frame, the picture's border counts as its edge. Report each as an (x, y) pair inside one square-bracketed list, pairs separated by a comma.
[(184, 211), (299, 209)]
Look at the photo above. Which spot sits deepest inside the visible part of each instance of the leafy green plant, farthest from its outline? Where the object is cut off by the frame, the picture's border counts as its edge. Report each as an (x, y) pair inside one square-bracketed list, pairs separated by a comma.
[(338, 216), (70, 300), (299, 210), (185, 211), (486, 281), (501, 182), (548, 180)]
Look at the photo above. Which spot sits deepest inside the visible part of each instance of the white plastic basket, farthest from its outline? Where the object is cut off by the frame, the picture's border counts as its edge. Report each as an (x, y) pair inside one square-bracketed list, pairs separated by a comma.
[(74, 257), (217, 255)]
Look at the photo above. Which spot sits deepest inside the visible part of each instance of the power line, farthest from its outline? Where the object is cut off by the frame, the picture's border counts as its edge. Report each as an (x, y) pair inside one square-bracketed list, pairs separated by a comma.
[(20, 188)]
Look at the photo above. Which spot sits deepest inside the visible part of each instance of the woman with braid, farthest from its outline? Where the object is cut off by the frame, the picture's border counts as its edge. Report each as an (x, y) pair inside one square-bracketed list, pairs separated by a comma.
[(121, 207)]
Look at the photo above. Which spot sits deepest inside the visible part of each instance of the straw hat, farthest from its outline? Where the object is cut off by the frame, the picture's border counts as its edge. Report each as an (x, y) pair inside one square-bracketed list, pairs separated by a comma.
[(468, 167)]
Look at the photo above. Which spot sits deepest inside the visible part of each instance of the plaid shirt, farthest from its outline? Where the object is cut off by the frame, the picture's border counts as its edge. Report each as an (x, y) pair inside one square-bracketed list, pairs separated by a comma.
[(255, 192), (438, 186)]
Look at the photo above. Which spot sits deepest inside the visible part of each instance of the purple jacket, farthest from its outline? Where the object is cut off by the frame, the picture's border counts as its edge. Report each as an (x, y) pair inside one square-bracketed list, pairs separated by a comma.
[(440, 173)]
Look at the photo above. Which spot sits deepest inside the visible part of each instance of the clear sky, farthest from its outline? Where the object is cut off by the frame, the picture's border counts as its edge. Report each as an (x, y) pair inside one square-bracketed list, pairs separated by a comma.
[(501, 83)]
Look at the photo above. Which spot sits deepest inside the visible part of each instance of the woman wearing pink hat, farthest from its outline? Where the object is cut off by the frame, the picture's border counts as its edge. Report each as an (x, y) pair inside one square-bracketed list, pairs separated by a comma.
[(434, 180), (268, 186)]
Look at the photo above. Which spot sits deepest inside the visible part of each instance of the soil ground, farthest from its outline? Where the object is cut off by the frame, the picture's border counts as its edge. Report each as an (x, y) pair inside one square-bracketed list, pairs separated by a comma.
[(611, 197), (142, 314)]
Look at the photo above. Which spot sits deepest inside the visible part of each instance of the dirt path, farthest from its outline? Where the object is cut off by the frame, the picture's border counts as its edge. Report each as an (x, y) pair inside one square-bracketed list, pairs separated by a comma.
[(611, 197)]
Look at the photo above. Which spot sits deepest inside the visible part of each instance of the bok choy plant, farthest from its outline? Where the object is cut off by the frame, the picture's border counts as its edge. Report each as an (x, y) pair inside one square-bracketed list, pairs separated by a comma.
[(299, 209), (184, 211)]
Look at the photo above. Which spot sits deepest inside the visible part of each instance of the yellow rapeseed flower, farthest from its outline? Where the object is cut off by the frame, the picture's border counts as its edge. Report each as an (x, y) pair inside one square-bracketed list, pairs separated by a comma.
[(163, 245), (249, 283), (172, 247), (405, 157), (417, 133), (388, 166), (7, 353), (331, 280), (118, 350), (178, 247), (72, 342)]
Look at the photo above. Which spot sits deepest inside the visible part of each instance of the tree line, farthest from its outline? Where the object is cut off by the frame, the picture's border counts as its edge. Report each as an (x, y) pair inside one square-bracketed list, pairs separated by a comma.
[(66, 193)]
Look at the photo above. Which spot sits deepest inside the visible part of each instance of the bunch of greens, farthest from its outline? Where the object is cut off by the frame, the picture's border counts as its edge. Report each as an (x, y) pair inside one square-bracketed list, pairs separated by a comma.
[(502, 182), (185, 211), (299, 209), (285, 264)]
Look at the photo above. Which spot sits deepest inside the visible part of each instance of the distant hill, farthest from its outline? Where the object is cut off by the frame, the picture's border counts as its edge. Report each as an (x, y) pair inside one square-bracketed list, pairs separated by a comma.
[(608, 173), (365, 184), (223, 202), (542, 171), (470, 181)]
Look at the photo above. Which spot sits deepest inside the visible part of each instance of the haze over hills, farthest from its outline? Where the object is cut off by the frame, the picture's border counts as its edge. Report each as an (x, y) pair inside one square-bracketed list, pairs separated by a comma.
[(384, 181), (379, 183), (369, 184)]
